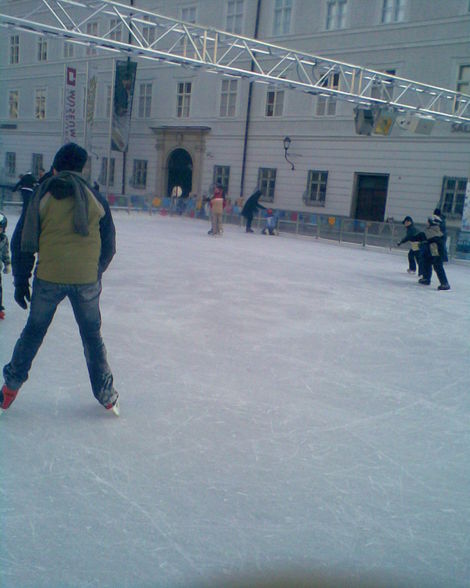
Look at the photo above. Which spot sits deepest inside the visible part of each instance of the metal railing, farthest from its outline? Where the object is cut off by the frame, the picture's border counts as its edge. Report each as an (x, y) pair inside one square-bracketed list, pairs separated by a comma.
[(338, 228)]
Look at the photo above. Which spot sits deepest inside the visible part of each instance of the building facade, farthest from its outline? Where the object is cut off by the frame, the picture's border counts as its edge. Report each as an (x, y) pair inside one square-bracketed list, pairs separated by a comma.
[(193, 128)]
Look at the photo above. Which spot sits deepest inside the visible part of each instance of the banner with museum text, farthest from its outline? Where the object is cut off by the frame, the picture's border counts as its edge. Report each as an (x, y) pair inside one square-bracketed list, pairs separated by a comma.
[(69, 120)]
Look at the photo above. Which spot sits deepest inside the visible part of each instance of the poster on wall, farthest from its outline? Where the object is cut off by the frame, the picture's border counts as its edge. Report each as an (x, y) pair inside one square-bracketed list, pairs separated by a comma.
[(124, 82), (463, 243), (69, 122)]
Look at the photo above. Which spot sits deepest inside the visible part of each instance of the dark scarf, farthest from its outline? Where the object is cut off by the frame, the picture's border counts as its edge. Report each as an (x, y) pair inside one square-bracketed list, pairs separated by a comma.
[(63, 185)]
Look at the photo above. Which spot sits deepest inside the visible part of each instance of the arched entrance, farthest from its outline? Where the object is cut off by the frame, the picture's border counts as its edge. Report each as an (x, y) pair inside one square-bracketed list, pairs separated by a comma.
[(180, 171)]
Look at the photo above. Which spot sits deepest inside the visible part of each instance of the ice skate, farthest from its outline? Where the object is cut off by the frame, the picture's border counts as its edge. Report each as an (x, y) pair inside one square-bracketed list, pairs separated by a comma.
[(2, 314), (410, 271), (114, 408), (424, 282), (443, 287), (7, 396)]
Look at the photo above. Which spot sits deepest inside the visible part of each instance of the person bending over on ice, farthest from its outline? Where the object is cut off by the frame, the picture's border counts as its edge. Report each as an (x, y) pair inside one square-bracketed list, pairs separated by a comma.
[(71, 229), (251, 206), (413, 253)]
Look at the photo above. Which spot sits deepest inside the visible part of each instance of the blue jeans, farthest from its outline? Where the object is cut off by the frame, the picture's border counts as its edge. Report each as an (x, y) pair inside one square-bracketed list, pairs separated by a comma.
[(45, 299)]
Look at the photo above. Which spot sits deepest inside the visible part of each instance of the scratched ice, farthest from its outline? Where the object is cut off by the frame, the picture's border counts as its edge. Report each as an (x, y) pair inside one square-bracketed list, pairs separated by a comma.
[(287, 405)]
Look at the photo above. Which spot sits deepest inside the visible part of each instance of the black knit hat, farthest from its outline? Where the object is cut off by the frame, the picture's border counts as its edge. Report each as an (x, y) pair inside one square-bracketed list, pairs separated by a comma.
[(407, 219), (70, 157)]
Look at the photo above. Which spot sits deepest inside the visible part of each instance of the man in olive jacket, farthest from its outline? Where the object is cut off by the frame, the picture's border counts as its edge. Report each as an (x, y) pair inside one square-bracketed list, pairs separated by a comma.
[(70, 228)]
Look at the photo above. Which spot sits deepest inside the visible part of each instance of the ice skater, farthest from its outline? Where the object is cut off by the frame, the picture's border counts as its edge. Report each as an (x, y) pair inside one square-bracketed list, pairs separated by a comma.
[(26, 186), (414, 256), (250, 207), (217, 203), (270, 225), (432, 253), (4, 258), (70, 228)]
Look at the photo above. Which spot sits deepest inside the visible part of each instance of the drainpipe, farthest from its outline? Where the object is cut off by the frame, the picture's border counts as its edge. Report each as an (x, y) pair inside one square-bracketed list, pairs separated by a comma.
[(248, 107), (124, 153)]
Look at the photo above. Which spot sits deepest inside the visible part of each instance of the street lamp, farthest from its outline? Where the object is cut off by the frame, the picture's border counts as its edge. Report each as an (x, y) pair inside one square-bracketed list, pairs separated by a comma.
[(287, 142)]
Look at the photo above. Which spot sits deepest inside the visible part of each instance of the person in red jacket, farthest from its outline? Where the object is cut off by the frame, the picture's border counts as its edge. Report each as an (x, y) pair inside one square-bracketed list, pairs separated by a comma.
[(217, 204)]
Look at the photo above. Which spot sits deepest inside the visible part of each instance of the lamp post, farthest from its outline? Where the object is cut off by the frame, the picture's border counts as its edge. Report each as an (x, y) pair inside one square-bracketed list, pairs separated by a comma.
[(287, 141)]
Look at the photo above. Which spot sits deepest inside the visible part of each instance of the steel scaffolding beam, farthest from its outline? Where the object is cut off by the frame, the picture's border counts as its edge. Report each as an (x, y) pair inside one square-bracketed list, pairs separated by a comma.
[(161, 38)]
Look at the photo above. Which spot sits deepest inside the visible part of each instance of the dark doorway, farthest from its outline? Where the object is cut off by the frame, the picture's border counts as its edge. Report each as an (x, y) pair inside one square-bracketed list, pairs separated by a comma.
[(371, 197), (180, 171)]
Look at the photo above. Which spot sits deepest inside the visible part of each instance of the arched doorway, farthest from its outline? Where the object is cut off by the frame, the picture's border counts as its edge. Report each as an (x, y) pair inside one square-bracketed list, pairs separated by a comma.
[(180, 171)]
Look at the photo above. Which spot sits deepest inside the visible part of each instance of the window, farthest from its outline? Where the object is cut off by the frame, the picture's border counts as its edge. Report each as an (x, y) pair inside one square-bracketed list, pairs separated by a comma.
[(188, 14), (393, 11), (463, 83), (145, 100), (383, 89), (140, 173), (91, 29), (282, 17), (316, 188), (336, 14), (42, 50), (104, 171), (115, 29), (40, 103), (148, 31), (13, 103), (10, 163), (68, 49), (234, 22), (222, 176), (326, 105), (274, 101), (453, 196), (183, 99), (14, 49), (36, 164), (267, 183), (228, 97)]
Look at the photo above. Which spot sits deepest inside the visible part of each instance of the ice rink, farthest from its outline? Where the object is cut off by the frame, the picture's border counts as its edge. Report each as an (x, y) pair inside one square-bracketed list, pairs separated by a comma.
[(288, 405)]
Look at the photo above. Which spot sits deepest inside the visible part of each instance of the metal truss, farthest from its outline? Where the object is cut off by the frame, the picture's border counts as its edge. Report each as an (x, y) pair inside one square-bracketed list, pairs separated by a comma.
[(156, 37)]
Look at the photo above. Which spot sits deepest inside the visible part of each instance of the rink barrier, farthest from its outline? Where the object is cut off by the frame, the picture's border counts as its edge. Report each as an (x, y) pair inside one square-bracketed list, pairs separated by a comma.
[(340, 229)]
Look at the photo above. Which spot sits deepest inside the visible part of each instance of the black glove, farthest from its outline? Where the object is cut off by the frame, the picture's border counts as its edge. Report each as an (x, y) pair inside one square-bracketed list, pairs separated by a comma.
[(22, 294)]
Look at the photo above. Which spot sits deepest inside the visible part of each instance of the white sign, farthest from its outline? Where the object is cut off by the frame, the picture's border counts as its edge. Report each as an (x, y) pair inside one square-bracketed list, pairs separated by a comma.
[(69, 132)]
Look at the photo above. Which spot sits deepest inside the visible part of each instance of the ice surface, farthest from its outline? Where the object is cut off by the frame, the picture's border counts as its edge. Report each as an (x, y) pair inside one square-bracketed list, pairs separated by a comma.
[(286, 403)]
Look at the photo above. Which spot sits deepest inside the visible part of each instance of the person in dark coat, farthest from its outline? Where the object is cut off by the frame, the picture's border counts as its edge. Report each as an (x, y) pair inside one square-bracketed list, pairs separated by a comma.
[(432, 254), (413, 253), (69, 232), (26, 186), (441, 220), (251, 206)]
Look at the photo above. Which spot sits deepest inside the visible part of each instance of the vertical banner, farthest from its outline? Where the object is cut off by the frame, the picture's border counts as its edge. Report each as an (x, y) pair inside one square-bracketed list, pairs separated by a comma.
[(124, 82), (91, 91), (463, 242), (69, 123)]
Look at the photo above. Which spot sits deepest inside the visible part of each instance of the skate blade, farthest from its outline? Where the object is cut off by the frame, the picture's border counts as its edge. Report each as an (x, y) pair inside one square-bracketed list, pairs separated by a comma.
[(116, 409)]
